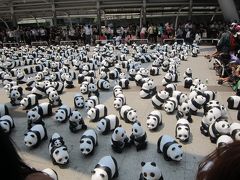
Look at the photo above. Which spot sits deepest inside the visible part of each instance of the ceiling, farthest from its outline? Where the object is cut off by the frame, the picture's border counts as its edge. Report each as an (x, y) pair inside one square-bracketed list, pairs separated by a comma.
[(88, 8)]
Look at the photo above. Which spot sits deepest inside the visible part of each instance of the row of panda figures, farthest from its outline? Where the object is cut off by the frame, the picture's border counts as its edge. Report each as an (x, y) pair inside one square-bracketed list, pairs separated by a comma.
[(46, 72)]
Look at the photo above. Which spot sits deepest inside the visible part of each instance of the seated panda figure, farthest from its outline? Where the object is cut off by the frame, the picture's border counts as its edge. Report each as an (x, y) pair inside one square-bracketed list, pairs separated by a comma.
[(78, 101), (16, 95), (7, 123), (93, 90), (76, 122), (68, 81), (150, 171), (184, 112), (234, 102), (54, 99), (58, 150), (138, 136), (188, 82), (106, 168), (159, 99)]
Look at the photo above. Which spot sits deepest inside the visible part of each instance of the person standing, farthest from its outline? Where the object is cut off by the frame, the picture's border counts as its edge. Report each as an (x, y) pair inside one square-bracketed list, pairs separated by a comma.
[(88, 34)]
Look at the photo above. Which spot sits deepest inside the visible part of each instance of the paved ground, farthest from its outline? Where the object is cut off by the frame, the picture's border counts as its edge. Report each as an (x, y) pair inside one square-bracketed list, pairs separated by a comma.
[(129, 161)]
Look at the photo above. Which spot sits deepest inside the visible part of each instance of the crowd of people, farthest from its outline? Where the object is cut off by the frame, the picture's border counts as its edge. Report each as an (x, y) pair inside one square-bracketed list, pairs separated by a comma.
[(88, 34), (228, 57)]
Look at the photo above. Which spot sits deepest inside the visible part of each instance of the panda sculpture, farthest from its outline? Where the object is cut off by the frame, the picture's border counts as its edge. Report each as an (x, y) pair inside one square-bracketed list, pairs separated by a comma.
[(170, 88), (234, 102), (58, 150), (117, 90), (154, 71), (223, 140), (145, 92), (97, 112), (39, 90), (63, 113), (150, 171), (171, 105), (167, 79), (154, 120), (159, 99), (119, 101), (196, 103), (51, 173), (68, 80), (54, 99), (93, 90), (103, 84), (107, 124), (138, 136), (218, 128), (235, 131), (15, 95), (78, 101), (76, 122), (119, 140), (128, 114), (184, 112), (35, 135), (182, 130), (84, 87), (187, 73), (88, 142), (44, 109), (58, 86), (3, 110), (7, 124), (188, 81), (171, 150), (30, 101), (106, 169), (91, 102)]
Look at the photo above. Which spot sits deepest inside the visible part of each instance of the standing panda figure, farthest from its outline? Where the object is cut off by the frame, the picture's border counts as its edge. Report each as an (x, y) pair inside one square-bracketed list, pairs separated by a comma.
[(159, 99), (235, 131), (170, 88), (54, 99), (106, 169), (170, 148), (182, 130), (194, 52), (184, 112), (91, 102), (128, 114), (58, 150), (68, 81), (145, 92), (93, 90), (218, 128), (78, 101), (76, 122), (119, 101), (117, 90), (188, 82), (59, 86), (124, 83), (150, 171), (63, 113), (107, 124), (7, 123), (88, 142), (119, 140), (3, 110), (154, 120), (30, 101), (138, 136), (98, 112), (167, 79), (234, 102), (171, 105), (35, 135), (16, 93), (196, 103), (223, 140)]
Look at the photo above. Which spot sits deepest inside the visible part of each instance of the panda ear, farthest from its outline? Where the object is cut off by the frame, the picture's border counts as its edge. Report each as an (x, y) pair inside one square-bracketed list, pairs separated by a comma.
[(153, 164), (142, 163), (25, 134), (180, 146), (139, 123), (120, 125), (116, 131), (27, 111), (93, 171)]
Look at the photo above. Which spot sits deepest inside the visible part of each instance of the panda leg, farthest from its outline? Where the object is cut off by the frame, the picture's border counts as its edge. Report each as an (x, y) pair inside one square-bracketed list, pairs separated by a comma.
[(238, 115), (166, 157), (213, 140)]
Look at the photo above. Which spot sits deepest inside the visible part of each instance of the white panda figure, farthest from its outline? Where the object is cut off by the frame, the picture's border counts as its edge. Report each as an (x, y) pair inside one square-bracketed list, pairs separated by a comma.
[(21, 77), (58, 150), (103, 84), (150, 171), (35, 135), (15, 95), (182, 130), (63, 113), (170, 88), (51, 173), (154, 71), (218, 128), (159, 99), (206, 121), (167, 79), (84, 87), (30, 101), (97, 112), (107, 124), (181, 97), (184, 112), (3, 110), (170, 148), (7, 123), (119, 140), (138, 136), (128, 114), (68, 80), (119, 101), (211, 104), (196, 103), (91, 102), (188, 81), (223, 140), (117, 90), (93, 89), (194, 52), (145, 92), (76, 122), (39, 90), (235, 131), (209, 95), (187, 73), (154, 120), (106, 169), (44, 109), (234, 102), (78, 100), (88, 142), (171, 105), (54, 99)]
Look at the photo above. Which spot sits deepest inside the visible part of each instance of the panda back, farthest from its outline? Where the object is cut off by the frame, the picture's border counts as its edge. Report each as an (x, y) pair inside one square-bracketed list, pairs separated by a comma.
[(110, 162), (164, 140)]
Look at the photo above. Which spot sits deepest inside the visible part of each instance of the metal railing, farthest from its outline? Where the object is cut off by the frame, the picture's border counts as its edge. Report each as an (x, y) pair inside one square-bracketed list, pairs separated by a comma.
[(12, 44), (104, 41), (212, 40), (72, 42), (39, 43), (173, 40), (139, 41)]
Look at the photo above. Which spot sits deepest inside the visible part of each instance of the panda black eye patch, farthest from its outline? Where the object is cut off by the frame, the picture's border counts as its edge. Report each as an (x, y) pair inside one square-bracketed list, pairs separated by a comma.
[(89, 142), (173, 149), (152, 174), (32, 135)]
